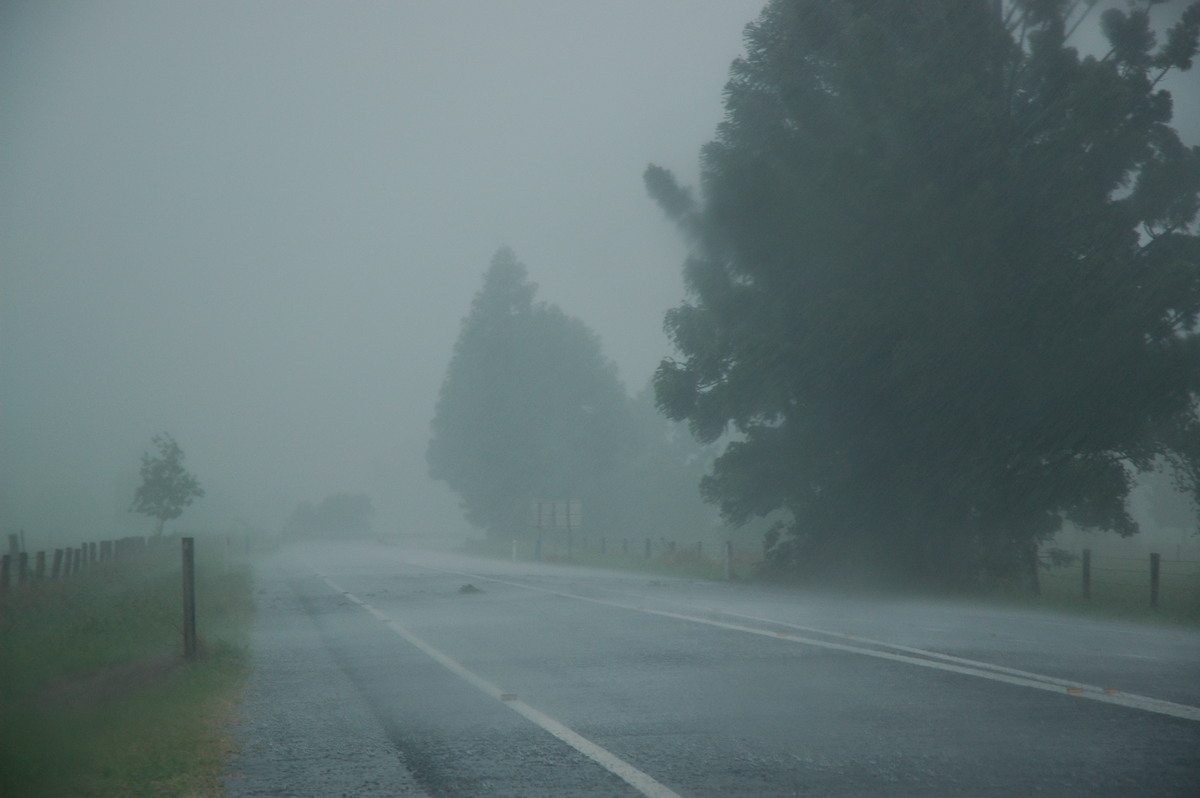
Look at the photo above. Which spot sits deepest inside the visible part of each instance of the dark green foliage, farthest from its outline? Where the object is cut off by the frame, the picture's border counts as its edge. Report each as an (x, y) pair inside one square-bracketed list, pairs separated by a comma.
[(338, 515), (167, 488), (1171, 508), (944, 282), (529, 409)]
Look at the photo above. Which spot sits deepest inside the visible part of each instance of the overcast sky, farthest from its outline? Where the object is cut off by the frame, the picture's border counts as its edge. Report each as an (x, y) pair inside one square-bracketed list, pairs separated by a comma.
[(257, 225)]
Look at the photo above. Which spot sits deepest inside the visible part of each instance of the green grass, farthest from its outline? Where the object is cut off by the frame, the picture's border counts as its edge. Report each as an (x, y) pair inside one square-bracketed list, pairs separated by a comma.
[(1121, 590), (94, 699)]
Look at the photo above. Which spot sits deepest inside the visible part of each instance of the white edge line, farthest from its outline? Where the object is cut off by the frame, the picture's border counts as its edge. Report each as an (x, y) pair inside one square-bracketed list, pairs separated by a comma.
[(640, 781), (968, 667)]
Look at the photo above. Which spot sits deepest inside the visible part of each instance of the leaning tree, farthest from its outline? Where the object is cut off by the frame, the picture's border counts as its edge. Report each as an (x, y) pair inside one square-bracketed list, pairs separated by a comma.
[(944, 281)]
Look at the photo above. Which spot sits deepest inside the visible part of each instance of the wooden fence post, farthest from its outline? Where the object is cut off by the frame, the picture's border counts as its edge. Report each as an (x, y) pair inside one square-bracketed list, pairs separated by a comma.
[(1087, 574), (189, 598), (22, 567), (1154, 570), (5, 559), (56, 569)]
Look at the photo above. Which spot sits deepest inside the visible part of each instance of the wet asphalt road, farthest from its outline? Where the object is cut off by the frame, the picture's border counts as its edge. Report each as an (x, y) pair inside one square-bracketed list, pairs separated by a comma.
[(376, 675)]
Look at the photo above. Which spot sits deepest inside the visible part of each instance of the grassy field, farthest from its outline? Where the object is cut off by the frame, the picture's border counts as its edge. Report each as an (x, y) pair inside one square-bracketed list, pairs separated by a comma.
[(95, 698), (1120, 588)]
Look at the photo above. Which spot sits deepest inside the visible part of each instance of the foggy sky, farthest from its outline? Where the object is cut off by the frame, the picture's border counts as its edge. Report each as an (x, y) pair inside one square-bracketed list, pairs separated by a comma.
[(257, 226)]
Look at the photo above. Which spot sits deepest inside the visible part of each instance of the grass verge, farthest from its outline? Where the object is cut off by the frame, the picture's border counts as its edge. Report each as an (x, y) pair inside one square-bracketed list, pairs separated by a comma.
[(682, 562), (1120, 588), (1120, 594), (94, 696)]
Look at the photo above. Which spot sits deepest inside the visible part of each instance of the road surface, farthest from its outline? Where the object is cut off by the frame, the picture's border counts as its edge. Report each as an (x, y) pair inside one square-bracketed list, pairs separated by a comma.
[(381, 671)]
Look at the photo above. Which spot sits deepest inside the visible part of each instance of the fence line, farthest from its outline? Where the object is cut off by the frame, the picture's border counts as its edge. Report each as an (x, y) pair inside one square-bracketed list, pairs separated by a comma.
[(1155, 568), (559, 545), (64, 563), (69, 562)]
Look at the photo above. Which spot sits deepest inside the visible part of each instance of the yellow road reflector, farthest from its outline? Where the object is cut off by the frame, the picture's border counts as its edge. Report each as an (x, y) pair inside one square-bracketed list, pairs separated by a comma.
[(1111, 690), (1074, 690)]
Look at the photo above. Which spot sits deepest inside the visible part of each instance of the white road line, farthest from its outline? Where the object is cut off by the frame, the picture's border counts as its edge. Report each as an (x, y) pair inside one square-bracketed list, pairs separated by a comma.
[(911, 650), (606, 759), (923, 659)]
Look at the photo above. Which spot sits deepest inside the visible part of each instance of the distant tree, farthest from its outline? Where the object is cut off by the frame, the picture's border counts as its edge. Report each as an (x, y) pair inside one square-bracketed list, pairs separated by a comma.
[(944, 281), (657, 484), (529, 409), (303, 521), (167, 488), (337, 515)]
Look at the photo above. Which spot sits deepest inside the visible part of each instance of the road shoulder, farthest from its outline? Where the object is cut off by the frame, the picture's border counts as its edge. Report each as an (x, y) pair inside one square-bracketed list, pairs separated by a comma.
[(303, 728)]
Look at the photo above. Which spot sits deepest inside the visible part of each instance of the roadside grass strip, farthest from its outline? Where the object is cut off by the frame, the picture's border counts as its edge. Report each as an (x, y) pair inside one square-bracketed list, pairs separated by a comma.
[(885, 651), (640, 781), (95, 697)]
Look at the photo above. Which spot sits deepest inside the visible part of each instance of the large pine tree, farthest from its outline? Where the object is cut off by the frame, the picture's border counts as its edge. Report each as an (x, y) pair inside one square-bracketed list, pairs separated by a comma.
[(944, 281)]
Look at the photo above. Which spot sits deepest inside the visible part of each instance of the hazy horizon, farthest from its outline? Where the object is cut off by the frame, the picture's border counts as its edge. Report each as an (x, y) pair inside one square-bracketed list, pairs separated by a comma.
[(257, 226)]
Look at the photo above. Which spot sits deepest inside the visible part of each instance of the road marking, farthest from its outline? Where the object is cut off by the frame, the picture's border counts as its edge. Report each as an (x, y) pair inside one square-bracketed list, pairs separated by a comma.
[(910, 656), (640, 781)]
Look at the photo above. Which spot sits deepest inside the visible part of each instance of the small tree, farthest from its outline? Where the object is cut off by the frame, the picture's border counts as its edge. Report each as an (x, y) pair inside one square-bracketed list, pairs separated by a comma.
[(167, 488)]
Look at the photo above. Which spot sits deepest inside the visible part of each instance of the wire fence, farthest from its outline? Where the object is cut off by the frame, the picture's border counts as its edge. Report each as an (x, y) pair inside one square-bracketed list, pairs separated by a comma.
[(721, 558), (1151, 580)]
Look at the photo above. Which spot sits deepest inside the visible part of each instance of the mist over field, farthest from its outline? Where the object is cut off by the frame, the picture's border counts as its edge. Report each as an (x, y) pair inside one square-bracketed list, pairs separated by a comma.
[(600, 397), (257, 226)]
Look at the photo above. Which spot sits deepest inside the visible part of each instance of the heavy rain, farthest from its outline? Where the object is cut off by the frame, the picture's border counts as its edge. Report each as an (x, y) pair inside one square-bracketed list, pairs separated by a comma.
[(637, 397)]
